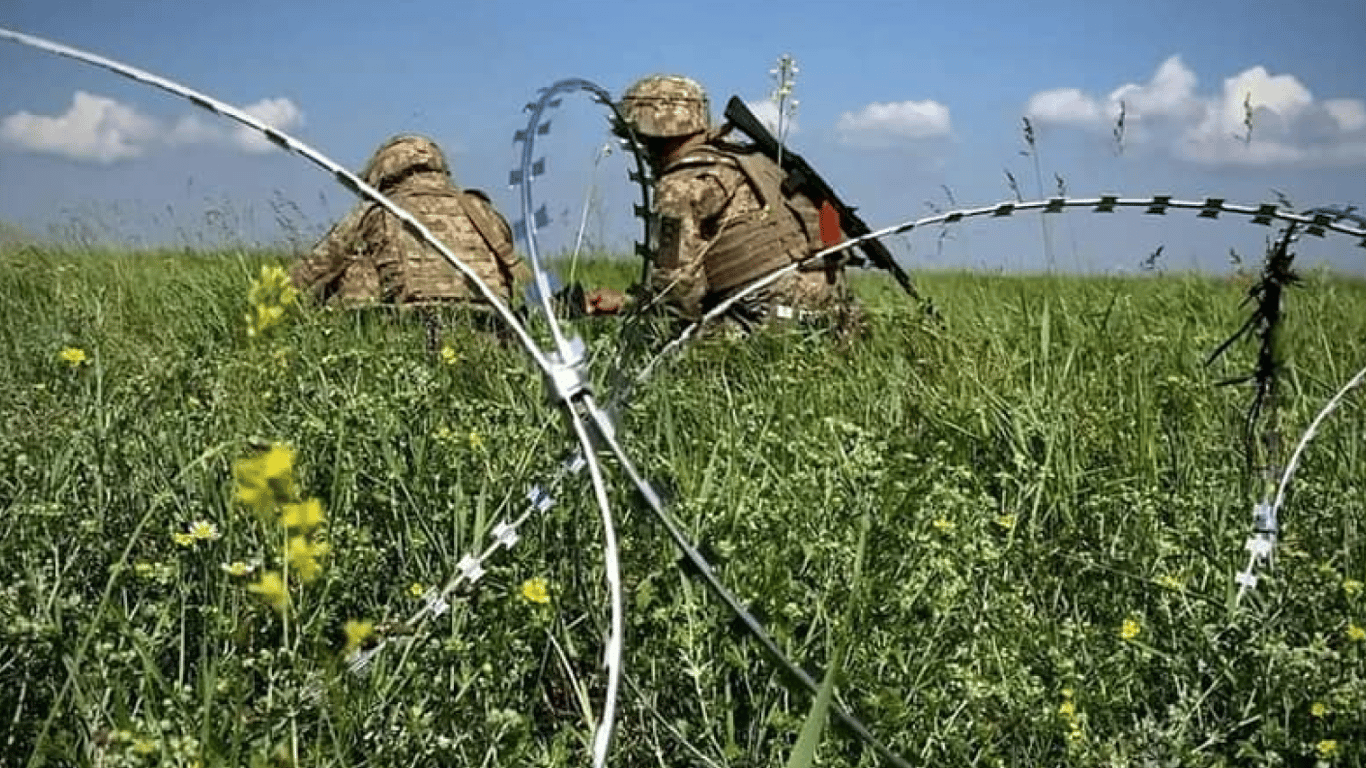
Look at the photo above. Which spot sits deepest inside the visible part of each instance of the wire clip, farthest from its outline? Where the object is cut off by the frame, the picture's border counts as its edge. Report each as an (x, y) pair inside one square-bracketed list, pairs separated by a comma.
[(471, 568), (566, 379), (505, 534), (1261, 545)]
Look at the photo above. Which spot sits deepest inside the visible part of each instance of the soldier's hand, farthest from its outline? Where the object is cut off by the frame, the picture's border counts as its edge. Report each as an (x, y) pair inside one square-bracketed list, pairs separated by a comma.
[(605, 301)]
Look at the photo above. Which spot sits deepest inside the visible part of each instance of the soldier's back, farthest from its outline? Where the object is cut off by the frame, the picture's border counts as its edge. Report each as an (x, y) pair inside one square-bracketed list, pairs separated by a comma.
[(412, 272)]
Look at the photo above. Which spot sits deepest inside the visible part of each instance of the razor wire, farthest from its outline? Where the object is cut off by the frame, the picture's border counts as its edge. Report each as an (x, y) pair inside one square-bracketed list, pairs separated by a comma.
[(526, 228), (540, 496), (1265, 323), (563, 370), (1317, 222), (1265, 515)]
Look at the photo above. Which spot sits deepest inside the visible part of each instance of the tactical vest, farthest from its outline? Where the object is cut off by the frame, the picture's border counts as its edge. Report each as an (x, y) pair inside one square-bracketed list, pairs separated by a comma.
[(465, 222), (784, 229), (491, 228)]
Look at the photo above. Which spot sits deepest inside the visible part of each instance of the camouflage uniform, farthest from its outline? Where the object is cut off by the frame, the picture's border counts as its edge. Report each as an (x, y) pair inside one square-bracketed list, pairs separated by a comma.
[(415, 176), (723, 221), (355, 263), (334, 270)]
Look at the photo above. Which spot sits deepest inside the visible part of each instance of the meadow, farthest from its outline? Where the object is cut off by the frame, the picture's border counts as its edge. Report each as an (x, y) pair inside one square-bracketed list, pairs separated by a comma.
[(1017, 529)]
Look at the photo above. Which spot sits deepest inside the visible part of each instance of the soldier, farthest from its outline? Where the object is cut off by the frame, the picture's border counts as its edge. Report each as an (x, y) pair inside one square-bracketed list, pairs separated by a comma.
[(333, 271), (724, 220), (412, 172)]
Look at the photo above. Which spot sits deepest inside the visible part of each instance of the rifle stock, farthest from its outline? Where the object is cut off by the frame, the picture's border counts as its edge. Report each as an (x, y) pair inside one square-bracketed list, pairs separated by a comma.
[(801, 176)]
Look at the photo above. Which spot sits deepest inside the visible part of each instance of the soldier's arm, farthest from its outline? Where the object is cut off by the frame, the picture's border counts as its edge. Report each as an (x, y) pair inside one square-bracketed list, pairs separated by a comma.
[(380, 246), (685, 205), (329, 258)]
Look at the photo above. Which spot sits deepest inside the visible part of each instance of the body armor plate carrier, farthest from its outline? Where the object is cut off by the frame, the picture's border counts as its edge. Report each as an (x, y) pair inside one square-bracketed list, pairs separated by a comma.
[(786, 228)]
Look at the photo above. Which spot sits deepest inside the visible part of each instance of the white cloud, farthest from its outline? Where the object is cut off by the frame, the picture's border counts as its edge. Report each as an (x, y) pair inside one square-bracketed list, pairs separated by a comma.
[(191, 128), (1170, 93), (102, 130), (888, 124), (278, 113), (1350, 114), (767, 112), (1064, 106), (94, 128), (1289, 127)]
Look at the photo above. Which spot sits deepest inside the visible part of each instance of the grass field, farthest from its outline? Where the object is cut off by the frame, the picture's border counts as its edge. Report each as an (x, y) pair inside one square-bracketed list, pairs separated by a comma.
[(1050, 492)]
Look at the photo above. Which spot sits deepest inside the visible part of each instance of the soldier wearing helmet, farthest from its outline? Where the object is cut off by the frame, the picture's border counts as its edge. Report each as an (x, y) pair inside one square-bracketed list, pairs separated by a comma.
[(369, 256), (724, 220), (412, 171), (333, 270)]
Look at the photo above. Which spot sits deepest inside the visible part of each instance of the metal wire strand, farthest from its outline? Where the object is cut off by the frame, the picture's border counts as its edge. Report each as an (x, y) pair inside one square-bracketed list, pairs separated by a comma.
[(1317, 223), (527, 173), (1309, 434)]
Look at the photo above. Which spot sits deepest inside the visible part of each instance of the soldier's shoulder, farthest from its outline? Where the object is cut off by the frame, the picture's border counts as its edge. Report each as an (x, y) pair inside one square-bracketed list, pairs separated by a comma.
[(480, 194), (682, 186), (703, 158)]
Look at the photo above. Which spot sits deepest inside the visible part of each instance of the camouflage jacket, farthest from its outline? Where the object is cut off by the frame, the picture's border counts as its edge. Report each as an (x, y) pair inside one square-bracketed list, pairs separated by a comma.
[(465, 221), (334, 271), (716, 235)]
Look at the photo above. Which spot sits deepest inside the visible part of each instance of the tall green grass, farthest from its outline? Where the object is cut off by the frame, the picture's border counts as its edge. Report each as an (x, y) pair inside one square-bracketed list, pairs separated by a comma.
[(1049, 467)]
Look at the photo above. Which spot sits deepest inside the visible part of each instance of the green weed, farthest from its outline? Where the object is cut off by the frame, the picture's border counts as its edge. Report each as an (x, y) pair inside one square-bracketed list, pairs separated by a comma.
[(1054, 495)]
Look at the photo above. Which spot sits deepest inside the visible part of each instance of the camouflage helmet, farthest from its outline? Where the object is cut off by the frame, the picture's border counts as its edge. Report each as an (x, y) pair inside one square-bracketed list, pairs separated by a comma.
[(666, 106), (402, 155)]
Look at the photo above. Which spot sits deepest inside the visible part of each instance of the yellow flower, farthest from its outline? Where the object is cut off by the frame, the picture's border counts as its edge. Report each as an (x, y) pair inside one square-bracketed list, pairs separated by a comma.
[(1352, 587), (278, 462), (1006, 521), (271, 588), (144, 747), (305, 516), (303, 556), (269, 295), (1130, 629), (183, 539), (416, 589), (237, 568), (448, 355), (1067, 708), (1354, 633), (72, 356), (1318, 709), (257, 497), (203, 530), (943, 526), (1168, 581), (356, 633), (1327, 748), (534, 591), (266, 478), (476, 441)]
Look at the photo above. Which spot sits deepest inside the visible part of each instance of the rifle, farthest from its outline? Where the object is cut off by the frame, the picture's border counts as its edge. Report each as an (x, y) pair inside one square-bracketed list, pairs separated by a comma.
[(801, 176)]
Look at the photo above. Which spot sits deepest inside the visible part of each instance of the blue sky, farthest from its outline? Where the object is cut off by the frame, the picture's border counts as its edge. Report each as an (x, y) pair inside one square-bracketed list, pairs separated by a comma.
[(897, 101)]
